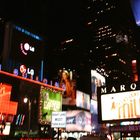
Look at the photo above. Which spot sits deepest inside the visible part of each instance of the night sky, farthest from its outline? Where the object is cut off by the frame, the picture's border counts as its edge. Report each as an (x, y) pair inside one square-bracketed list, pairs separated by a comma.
[(50, 18)]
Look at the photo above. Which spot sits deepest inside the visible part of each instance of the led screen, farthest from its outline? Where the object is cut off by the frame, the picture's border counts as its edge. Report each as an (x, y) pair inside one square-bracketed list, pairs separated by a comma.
[(94, 116), (12, 107), (22, 47), (25, 47), (120, 106), (14, 89), (82, 100), (97, 80), (6, 106), (50, 101), (68, 83), (93, 107), (78, 120), (135, 4)]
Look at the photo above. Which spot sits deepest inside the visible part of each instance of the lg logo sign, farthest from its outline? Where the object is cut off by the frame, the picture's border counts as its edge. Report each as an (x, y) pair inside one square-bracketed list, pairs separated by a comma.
[(25, 48), (25, 70)]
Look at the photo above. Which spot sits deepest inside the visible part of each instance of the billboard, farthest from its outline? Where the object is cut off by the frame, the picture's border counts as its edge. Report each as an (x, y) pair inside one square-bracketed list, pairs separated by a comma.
[(26, 47), (135, 4), (97, 80), (50, 101), (93, 107), (94, 116), (78, 120), (21, 47), (15, 88), (7, 106), (68, 83), (82, 100), (120, 106)]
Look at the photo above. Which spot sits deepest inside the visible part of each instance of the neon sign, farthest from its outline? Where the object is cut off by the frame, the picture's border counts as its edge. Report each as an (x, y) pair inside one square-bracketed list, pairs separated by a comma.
[(25, 70), (26, 47)]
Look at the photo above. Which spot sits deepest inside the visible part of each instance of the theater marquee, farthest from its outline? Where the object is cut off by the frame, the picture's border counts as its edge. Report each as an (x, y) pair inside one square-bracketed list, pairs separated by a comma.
[(119, 103)]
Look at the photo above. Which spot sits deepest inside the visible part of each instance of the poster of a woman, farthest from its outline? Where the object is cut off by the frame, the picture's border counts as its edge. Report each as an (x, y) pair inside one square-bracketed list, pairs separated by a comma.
[(69, 85)]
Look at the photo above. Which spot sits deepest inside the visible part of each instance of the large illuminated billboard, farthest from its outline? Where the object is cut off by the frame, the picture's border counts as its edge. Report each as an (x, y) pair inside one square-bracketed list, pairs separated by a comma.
[(50, 101), (13, 90), (68, 83), (94, 116), (25, 47), (22, 47), (97, 80), (78, 120), (135, 4), (119, 106), (8, 108), (82, 100)]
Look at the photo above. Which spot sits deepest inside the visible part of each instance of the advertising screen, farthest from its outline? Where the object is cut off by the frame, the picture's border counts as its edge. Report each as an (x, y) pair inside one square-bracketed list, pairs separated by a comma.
[(22, 47), (97, 80), (68, 83), (26, 47), (94, 116), (50, 101), (82, 100), (93, 107), (14, 110), (78, 120), (120, 106), (135, 4), (6, 106)]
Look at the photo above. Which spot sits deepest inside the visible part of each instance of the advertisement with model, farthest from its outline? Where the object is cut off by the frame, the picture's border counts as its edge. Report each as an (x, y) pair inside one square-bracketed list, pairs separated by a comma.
[(78, 120), (119, 103), (50, 101)]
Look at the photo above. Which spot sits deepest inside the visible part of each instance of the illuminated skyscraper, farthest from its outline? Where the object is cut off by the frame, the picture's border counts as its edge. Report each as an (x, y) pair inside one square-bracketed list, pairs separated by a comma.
[(112, 33)]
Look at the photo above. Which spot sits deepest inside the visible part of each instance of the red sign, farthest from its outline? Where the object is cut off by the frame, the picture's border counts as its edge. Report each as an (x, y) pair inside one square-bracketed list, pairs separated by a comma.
[(7, 106)]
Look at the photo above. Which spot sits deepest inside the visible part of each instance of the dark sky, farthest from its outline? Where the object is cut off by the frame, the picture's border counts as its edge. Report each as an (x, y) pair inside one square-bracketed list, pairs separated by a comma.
[(48, 17)]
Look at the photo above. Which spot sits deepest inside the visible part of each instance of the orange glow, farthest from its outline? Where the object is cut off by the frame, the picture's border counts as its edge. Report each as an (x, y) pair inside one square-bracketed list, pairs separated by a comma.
[(7, 106), (136, 78), (30, 80)]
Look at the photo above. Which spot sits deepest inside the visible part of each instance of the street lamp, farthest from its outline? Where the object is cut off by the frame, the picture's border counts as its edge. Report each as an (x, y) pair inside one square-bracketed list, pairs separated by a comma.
[(27, 100)]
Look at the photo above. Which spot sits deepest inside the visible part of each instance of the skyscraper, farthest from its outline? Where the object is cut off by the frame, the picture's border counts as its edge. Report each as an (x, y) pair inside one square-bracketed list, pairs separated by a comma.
[(112, 34)]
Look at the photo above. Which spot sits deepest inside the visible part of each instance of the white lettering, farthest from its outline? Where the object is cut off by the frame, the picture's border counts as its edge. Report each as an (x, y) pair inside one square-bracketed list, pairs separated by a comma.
[(122, 87), (32, 49), (133, 86), (30, 71), (103, 90), (113, 89)]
